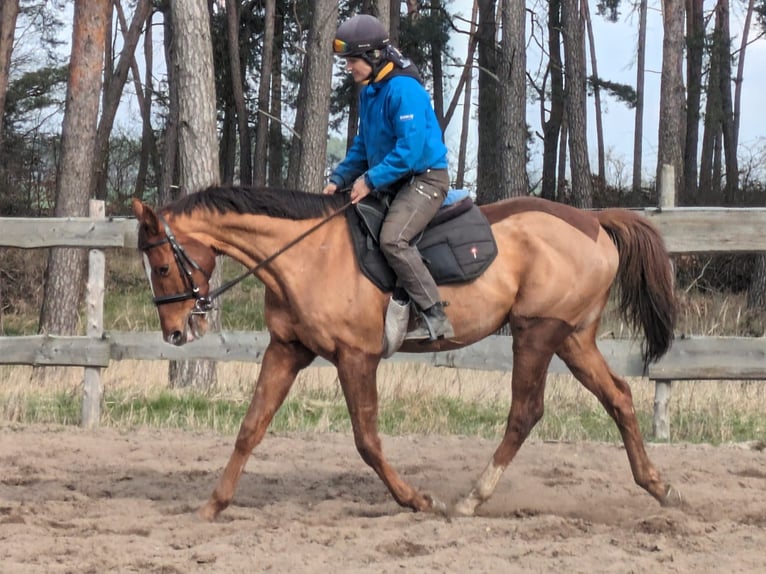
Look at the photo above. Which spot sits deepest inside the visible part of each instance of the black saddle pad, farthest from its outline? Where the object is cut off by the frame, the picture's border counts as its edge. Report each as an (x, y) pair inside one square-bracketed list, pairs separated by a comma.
[(457, 246)]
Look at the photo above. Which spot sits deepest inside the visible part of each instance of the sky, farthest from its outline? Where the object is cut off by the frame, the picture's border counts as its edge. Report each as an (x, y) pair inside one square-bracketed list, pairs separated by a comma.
[(616, 59)]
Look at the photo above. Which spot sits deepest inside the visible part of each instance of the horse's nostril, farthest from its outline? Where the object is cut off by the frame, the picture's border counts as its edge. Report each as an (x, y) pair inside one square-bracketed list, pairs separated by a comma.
[(175, 338)]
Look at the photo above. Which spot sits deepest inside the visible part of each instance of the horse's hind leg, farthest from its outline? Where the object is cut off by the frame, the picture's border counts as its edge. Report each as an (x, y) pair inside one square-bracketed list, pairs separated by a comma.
[(357, 374), (281, 363), (587, 364), (533, 345)]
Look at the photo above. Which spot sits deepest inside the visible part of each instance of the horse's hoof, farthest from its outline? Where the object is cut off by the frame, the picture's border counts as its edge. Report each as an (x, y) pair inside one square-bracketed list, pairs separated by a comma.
[(208, 512), (465, 507), (436, 506), (673, 498)]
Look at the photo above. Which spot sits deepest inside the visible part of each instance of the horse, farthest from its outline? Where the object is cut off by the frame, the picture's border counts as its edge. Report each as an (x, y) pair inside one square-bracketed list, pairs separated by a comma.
[(550, 282)]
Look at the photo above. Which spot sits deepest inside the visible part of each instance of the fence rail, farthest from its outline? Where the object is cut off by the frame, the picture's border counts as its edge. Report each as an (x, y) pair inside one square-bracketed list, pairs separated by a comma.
[(685, 230), (690, 358)]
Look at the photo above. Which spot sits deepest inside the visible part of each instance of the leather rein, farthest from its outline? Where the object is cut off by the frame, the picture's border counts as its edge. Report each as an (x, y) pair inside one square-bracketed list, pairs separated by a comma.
[(203, 304)]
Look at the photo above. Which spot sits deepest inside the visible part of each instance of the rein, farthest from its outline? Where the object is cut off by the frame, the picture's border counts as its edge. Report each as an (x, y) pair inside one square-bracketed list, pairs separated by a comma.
[(203, 304)]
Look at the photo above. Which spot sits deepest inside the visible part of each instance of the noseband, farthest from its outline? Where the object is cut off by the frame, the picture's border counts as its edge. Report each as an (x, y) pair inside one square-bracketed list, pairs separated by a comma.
[(186, 265)]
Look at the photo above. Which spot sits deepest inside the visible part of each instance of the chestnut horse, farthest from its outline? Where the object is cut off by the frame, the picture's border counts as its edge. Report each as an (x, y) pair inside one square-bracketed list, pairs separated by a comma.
[(550, 281)]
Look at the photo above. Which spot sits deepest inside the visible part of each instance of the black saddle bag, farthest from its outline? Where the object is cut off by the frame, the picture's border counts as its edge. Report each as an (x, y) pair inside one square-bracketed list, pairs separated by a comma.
[(457, 246)]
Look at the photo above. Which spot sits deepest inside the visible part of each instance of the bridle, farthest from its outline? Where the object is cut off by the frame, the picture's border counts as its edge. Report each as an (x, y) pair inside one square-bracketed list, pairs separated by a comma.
[(186, 265), (203, 304)]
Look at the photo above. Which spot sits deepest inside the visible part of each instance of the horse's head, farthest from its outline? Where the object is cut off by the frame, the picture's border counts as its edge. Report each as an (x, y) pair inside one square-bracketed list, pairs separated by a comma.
[(179, 269)]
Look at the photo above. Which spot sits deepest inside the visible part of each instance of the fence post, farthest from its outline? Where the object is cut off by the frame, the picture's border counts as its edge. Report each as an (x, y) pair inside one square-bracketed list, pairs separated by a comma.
[(661, 423), (94, 301)]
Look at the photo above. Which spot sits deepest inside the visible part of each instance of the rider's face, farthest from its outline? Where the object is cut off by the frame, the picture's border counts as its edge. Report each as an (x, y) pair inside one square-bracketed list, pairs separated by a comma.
[(360, 70)]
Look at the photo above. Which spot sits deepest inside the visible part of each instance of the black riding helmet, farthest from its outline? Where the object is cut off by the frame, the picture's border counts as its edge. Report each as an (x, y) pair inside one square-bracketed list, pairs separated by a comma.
[(359, 37)]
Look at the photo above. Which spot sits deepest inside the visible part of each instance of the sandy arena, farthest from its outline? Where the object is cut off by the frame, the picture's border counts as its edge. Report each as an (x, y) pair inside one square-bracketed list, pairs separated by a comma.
[(112, 501)]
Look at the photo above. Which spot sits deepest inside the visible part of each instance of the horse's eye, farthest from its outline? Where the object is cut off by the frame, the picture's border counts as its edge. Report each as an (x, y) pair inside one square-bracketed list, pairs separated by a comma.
[(163, 271)]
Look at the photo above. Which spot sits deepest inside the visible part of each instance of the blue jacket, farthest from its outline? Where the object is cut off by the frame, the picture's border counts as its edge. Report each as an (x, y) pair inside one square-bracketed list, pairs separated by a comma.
[(398, 137)]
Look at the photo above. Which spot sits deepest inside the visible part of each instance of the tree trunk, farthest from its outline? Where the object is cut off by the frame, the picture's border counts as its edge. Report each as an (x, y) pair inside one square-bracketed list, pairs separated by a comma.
[(101, 162), (552, 127), (112, 95), (264, 90), (513, 94), (573, 28), (437, 73), (727, 123), (64, 276), (149, 152), (353, 114), (275, 159), (227, 157), (695, 45), (466, 76), (412, 8), (596, 98), (9, 10), (671, 129), (562, 185), (488, 177), (756, 293), (308, 152), (193, 63), (395, 21), (198, 138), (709, 177), (638, 132), (466, 80), (169, 185), (741, 68), (756, 298), (383, 12), (237, 90)]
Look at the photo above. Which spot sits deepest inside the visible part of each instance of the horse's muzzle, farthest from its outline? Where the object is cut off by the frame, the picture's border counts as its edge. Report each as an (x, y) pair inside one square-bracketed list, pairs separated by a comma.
[(176, 338)]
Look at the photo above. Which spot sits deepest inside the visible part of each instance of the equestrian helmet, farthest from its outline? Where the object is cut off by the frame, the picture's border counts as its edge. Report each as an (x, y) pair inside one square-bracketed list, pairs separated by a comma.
[(358, 36)]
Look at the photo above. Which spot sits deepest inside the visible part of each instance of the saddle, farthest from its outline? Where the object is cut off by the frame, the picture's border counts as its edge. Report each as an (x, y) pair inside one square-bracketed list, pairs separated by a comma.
[(457, 245)]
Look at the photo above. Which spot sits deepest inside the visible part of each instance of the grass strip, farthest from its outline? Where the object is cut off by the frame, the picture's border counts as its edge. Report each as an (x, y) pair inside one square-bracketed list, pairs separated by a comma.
[(323, 411)]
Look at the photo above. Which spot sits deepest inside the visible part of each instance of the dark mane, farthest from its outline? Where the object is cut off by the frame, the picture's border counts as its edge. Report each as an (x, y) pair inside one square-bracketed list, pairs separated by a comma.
[(269, 201)]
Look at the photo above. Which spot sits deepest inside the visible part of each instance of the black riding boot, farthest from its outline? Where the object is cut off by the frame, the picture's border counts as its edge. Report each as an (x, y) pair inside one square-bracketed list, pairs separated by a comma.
[(432, 324)]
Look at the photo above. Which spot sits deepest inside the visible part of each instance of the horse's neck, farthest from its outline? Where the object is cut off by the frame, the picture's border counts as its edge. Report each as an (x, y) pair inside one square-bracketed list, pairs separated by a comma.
[(250, 239)]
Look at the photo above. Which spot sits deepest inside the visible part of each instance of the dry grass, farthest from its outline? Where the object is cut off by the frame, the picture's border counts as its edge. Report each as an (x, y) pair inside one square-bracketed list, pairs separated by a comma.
[(414, 399)]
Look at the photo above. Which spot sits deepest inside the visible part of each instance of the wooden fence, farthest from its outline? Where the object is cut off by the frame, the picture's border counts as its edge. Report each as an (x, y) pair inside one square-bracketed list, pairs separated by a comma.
[(685, 230)]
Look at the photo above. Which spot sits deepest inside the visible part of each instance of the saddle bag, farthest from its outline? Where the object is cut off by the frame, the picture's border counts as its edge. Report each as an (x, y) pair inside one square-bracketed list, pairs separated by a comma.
[(457, 245)]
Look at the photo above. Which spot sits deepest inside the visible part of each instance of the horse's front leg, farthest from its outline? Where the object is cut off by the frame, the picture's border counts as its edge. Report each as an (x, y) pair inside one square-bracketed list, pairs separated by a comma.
[(357, 374), (281, 363)]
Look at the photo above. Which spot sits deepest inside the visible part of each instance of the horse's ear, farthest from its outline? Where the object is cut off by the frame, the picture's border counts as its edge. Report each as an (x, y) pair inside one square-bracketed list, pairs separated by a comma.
[(146, 217)]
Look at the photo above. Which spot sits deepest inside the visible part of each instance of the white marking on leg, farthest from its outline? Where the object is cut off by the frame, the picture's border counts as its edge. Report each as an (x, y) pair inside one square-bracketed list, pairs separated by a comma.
[(481, 491)]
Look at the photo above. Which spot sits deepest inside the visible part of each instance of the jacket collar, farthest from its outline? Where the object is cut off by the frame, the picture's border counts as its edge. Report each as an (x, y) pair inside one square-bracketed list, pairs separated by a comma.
[(391, 70)]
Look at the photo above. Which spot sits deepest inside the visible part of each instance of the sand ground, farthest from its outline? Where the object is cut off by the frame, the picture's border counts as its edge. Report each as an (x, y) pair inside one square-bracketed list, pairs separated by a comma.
[(124, 501)]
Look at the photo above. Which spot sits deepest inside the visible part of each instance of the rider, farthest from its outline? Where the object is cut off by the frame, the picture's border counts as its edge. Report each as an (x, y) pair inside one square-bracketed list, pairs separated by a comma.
[(398, 150)]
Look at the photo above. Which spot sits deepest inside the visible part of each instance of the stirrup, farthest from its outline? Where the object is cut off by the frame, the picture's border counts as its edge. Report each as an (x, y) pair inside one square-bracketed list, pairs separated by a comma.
[(422, 332), (432, 328)]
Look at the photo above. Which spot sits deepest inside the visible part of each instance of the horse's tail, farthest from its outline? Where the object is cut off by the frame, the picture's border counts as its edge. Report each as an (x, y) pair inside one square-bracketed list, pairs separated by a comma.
[(645, 274)]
